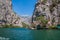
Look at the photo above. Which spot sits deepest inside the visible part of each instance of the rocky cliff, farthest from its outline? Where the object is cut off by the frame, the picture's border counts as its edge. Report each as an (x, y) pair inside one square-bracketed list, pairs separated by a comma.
[(7, 15), (47, 12)]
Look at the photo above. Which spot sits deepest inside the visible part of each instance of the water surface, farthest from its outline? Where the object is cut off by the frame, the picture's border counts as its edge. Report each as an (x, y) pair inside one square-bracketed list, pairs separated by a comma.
[(26, 34)]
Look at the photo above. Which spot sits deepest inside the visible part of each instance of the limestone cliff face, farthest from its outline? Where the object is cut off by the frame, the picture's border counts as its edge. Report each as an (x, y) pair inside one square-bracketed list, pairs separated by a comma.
[(7, 16), (50, 9)]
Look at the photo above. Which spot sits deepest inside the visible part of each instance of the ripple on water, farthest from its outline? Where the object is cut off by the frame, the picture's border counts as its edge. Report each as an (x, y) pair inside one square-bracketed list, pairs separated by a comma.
[(26, 34)]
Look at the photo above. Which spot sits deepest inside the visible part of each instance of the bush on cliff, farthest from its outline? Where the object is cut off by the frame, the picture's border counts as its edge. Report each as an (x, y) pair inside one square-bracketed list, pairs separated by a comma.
[(42, 20)]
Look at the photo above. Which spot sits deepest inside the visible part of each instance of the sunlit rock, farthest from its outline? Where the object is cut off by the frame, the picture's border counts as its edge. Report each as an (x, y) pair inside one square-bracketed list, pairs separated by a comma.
[(50, 9), (7, 15)]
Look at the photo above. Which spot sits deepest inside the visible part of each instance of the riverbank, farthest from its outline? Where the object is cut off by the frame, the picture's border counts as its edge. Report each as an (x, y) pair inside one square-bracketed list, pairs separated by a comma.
[(43, 28), (30, 28)]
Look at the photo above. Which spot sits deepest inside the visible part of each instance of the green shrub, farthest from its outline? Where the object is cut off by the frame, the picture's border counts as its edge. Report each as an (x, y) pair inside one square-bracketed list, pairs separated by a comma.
[(24, 25), (45, 1), (42, 20), (53, 27), (10, 26)]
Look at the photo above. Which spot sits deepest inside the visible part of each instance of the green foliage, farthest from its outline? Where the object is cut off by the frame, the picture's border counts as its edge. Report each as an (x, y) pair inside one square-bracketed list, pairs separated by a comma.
[(25, 25), (53, 27), (10, 26), (44, 1), (42, 20), (6, 26)]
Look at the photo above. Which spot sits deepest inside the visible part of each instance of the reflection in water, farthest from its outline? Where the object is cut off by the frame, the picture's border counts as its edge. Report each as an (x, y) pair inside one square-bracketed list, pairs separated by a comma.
[(26, 34)]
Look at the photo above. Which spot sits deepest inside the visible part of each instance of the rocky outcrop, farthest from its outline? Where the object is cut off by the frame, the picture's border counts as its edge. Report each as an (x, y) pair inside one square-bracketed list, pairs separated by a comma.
[(7, 15), (50, 9)]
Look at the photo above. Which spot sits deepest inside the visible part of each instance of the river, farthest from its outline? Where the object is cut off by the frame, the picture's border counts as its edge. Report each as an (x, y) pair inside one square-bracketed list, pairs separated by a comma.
[(26, 34)]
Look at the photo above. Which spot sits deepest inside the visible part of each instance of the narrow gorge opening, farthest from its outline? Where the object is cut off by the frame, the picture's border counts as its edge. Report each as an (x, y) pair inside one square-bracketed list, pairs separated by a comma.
[(24, 7)]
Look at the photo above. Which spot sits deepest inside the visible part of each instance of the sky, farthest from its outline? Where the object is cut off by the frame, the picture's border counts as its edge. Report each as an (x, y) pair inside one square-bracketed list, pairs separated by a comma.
[(23, 7)]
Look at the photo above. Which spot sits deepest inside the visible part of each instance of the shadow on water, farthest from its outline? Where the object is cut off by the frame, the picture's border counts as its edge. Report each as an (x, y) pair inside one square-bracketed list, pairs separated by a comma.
[(46, 35)]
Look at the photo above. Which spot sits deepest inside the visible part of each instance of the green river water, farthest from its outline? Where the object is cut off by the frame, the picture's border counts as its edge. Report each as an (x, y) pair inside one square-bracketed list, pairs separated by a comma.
[(26, 34)]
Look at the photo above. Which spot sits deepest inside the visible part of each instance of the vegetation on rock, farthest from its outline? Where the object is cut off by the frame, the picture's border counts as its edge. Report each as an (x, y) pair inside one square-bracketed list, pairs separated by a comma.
[(9, 26), (42, 21), (53, 27), (25, 25)]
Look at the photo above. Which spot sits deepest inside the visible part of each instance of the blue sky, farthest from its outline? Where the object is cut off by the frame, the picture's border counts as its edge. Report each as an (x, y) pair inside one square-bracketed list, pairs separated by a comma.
[(23, 7)]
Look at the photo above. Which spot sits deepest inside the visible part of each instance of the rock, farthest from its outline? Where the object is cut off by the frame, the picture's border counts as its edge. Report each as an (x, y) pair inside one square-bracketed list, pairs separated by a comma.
[(7, 15), (50, 9)]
